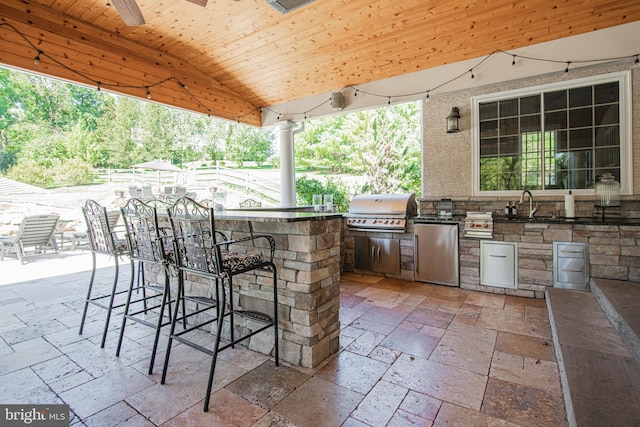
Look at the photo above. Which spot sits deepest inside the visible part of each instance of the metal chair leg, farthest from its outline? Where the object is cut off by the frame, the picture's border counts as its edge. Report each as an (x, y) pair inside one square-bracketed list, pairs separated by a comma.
[(86, 303), (214, 357)]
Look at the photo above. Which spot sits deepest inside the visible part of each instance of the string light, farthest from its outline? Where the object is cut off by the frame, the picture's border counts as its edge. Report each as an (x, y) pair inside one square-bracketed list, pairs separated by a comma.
[(262, 110)]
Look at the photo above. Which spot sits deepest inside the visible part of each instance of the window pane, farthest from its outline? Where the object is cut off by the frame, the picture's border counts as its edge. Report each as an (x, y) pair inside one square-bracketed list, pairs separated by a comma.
[(530, 105), (555, 100), (509, 108), (556, 120), (509, 126), (581, 138), (509, 146), (488, 129), (530, 123), (606, 93), (608, 157), (580, 117), (580, 97), (562, 140), (607, 136), (607, 114), (488, 111), (489, 147)]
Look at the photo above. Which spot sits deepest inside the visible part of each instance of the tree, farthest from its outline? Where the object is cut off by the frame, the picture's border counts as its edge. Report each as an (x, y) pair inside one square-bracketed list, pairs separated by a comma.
[(383, 144), (246, 143)]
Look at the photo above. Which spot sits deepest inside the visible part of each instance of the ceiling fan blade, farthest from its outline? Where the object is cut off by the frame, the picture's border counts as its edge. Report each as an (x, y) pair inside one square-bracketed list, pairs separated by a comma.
[(202, 3), (129, 11)]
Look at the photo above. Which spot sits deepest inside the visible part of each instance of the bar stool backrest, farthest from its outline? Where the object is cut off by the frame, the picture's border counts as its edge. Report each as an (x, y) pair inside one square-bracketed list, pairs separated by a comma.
[(99, 228), (194, 237), (144, 238)]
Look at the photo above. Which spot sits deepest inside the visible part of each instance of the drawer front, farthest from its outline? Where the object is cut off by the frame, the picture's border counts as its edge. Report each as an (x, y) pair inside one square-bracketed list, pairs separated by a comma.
[(571, 270), (571, 251)]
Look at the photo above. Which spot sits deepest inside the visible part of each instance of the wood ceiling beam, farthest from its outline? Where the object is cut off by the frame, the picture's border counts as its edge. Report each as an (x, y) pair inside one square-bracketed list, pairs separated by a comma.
[(102, 56)]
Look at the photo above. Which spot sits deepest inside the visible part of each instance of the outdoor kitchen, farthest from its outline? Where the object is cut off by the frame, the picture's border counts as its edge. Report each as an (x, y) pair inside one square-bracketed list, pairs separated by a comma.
[(381, 233)]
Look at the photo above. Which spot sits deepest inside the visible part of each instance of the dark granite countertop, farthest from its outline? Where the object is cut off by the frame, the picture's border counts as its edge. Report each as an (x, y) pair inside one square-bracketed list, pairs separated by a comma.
[(535, 220), (273, 216), (578, 220)]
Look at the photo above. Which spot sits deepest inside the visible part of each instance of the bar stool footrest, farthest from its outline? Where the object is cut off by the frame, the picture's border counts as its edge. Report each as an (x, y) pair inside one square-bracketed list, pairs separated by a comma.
[(256, 315)]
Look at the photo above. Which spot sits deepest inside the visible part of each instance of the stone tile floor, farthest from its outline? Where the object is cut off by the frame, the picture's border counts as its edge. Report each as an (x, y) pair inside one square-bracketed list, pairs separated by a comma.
[(411, 354)]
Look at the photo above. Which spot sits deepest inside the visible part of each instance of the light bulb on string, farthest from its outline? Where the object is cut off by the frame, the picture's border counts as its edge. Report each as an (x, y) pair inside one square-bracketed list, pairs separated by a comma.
[(148, 93), (99, 83), (566, 70), (513, 61), (636, 62), (427, 97), (472, 75), (36, 60), (388, 100)]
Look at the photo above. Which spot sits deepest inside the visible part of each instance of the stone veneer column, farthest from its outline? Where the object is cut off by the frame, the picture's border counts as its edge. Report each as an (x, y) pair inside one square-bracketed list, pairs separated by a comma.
[(308, 262)]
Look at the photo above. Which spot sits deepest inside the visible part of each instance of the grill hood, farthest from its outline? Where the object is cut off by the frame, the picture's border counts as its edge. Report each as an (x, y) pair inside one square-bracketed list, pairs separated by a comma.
[(397, 205)]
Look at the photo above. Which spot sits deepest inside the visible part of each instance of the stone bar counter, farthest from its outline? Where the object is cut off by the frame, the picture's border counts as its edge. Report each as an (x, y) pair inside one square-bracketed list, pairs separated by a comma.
[(307, 259)]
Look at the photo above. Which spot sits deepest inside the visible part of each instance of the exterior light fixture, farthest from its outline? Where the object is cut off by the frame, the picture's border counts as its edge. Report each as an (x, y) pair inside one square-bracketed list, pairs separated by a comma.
[(336, 101), (452, 120)]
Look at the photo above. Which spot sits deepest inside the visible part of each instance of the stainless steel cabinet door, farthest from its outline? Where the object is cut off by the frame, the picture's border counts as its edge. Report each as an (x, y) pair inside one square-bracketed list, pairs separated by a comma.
[(436, 253), (571, 265), (377, 254)]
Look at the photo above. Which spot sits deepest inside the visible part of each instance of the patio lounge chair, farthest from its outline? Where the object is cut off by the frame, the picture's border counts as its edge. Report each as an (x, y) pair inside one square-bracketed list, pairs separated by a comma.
[(147, 193), (36, 233), (135, 192)]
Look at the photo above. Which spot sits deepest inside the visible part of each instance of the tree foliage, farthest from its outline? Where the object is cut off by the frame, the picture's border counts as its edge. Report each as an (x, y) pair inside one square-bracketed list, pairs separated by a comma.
[(55, 126), (382, 144)]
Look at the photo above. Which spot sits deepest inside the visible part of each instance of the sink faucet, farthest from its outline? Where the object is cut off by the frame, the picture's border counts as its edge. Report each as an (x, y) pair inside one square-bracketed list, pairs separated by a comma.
[(532, 210)]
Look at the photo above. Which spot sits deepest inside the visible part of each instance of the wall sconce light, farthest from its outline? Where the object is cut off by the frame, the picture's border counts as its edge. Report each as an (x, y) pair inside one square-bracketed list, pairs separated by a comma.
[(452, 120)]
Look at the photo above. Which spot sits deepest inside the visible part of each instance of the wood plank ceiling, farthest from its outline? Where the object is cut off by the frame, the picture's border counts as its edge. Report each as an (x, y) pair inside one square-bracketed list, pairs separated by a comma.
[(230, 57)]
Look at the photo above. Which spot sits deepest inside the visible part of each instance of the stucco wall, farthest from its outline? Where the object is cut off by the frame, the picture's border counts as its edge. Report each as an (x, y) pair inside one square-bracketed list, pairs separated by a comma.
[(447, 167)]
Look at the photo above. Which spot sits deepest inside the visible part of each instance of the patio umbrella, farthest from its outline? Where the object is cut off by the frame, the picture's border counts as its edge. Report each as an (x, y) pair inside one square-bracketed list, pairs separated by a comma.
[(158, 165)]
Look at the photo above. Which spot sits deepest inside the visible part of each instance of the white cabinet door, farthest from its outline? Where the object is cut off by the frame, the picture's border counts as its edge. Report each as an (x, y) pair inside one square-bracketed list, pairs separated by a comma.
[(498, 264)]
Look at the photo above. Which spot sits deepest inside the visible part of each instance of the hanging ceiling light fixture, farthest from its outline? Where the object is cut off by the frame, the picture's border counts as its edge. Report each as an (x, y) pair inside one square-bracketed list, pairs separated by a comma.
[(452, 120)]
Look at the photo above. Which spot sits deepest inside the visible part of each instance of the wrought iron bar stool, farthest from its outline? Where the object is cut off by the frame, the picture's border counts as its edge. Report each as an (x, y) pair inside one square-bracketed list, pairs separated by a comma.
[(147, 243), (103, 239), (202, 251)]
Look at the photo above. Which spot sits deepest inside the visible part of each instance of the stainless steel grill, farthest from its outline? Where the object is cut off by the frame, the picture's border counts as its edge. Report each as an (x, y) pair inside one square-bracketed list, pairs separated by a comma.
[(381, 212)]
